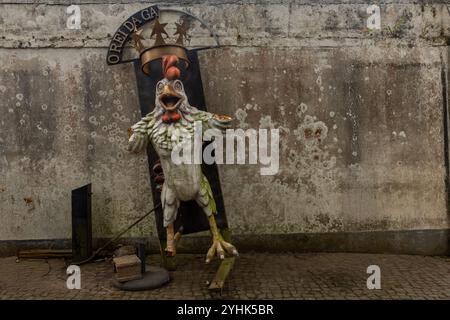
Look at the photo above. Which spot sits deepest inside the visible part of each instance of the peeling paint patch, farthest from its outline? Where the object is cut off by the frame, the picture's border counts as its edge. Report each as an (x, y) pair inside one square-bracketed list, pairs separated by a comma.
[(241, 116), (311, 132), (266, 122)]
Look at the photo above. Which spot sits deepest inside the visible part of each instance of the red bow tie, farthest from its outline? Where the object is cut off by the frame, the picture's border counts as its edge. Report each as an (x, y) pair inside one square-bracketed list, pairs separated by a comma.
[(171, 117)]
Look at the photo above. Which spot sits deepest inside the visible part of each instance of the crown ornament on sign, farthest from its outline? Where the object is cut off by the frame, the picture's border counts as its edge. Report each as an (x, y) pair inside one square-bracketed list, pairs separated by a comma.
[(161, 48)]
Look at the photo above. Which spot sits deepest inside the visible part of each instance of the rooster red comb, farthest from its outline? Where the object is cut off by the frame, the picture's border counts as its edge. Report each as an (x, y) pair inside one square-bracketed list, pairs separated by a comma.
[(169, 66)]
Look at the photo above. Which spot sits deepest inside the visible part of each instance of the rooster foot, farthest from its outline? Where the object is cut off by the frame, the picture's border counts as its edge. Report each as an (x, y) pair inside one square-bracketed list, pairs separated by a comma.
[(171, 251), (220, 247), (172, 240), (171, 248)]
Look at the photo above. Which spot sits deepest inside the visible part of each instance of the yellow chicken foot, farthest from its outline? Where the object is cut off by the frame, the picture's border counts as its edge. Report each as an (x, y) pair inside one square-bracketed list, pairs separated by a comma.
[(219, 246)]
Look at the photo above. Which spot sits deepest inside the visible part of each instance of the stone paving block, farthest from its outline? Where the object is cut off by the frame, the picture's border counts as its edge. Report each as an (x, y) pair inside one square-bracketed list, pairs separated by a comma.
[(255, 276)]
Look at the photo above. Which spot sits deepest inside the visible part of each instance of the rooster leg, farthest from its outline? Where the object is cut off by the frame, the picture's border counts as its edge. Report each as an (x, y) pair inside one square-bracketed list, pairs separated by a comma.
[(219, 245), (177, 237), (170, 208), (206, 201), (170, 248)]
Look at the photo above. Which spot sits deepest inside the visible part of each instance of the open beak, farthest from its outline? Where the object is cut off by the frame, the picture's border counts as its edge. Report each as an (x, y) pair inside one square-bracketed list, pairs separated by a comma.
[(169, 98)]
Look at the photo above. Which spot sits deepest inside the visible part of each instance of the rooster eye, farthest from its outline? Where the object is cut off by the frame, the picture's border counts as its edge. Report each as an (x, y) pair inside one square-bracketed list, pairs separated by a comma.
[(178, 86), (159, 86)]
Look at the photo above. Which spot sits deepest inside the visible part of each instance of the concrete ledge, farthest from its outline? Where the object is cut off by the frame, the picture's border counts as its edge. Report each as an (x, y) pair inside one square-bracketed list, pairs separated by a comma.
[(421, 242), (244, 23)]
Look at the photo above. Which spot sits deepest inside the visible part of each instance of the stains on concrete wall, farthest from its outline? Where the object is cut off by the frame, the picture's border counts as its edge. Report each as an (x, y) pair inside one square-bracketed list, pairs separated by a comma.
[(64, 124), (359, 112), (244, 24), (352, 122)]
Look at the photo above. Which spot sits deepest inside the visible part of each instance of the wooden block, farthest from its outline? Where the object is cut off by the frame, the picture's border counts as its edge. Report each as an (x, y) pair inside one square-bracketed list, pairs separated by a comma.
[(127, 268), (124, 251), (222, 273), (44, 253)]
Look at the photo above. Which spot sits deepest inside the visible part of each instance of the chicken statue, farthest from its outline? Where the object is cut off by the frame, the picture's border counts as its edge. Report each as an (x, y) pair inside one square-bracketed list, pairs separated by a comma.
[(169, 125)]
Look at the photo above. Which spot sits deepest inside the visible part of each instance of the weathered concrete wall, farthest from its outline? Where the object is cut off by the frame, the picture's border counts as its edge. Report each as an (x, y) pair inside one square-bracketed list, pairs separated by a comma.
[(362, 138), (361, 115), (64, 126)]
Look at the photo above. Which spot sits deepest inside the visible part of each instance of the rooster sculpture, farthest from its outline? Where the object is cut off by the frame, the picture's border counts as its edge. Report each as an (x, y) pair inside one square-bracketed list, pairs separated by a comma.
[(168, 126)]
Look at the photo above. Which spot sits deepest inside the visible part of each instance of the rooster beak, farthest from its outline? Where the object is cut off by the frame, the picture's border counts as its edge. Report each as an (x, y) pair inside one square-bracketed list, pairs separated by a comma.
[(169, 97), (169, 90)]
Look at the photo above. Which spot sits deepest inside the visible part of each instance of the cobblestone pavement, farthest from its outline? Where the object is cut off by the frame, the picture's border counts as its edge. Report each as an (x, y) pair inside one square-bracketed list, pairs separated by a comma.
[(255, 276)]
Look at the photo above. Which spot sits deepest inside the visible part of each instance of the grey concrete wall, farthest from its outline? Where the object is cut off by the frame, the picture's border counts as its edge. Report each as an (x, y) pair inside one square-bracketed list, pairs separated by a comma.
[(361, 115)]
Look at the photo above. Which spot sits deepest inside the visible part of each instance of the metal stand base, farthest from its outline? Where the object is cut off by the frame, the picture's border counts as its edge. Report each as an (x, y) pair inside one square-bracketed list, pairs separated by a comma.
[(153, 278)]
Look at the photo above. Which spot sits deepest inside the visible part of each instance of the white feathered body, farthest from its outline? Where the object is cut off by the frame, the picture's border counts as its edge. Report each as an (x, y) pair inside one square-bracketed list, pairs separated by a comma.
[(184, 181)]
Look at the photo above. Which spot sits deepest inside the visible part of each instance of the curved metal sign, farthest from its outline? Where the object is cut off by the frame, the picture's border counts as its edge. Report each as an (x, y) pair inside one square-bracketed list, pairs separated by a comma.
[(136, 21), (122, 34)]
